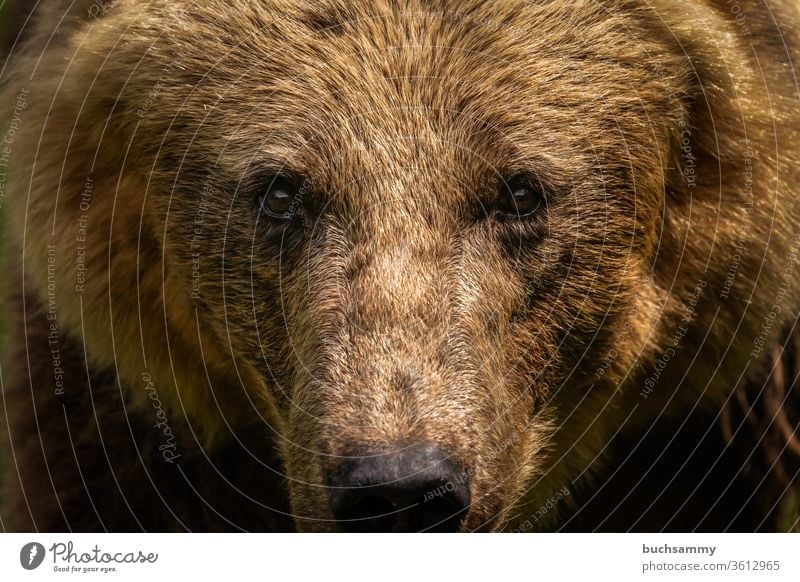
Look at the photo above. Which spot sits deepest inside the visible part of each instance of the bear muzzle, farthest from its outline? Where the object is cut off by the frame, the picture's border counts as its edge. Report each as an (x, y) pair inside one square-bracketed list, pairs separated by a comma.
[(417, 488)]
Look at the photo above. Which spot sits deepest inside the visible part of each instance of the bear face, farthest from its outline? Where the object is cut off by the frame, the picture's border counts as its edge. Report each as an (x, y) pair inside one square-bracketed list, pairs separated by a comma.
[(377, 271), (376, 228)]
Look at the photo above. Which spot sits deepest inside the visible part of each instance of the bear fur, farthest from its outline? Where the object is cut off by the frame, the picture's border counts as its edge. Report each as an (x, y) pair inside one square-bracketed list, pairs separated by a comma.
[(174, 361)]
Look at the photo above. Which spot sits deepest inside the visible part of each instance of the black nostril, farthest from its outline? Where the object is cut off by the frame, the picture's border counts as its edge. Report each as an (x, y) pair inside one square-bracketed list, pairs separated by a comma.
[(417, 488)]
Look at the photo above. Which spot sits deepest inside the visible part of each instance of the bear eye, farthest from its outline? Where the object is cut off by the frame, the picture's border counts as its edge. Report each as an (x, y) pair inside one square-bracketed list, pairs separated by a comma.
[(282, 197), (519, 197)]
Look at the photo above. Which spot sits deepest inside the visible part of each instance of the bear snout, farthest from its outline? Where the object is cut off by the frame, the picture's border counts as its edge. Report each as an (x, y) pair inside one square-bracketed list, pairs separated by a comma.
[(417, 488)]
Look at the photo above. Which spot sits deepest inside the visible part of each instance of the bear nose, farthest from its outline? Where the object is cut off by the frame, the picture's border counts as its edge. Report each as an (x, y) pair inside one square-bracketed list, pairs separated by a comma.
[(407, 490)]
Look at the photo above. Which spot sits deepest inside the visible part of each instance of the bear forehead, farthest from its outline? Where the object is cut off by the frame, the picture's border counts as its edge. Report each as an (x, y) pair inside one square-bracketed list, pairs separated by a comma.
[(388, 83), (362, 65)]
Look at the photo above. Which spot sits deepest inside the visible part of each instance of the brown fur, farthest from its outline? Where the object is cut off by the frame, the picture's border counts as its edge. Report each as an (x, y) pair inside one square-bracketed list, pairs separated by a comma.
[(397, 313)]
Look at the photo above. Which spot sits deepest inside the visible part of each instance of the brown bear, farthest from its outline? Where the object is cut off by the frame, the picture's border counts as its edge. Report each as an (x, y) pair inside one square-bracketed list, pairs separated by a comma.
[(399, 265)]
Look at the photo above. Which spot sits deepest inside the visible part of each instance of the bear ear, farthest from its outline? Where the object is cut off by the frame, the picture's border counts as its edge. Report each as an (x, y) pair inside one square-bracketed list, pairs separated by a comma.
[(729, 209), (730, 167), (70, 204), (709, 133), (82, 203)]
